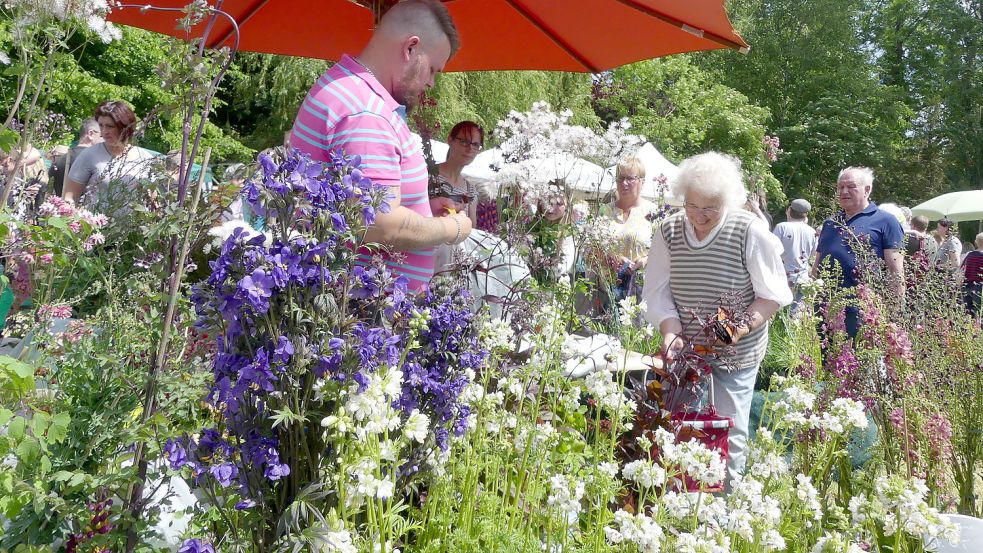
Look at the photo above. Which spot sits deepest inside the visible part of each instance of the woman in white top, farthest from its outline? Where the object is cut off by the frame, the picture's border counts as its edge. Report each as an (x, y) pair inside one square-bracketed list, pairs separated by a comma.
[(715, 254), (109, 172)]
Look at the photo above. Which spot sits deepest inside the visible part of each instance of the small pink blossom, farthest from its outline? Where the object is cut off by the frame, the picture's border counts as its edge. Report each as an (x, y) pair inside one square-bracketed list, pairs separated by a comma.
[(93, 241), (75, 226), (55, 312), (47, 258)]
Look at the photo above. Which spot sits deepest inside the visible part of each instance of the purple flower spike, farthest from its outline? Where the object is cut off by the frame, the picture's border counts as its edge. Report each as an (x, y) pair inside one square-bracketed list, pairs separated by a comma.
[(195, 545)]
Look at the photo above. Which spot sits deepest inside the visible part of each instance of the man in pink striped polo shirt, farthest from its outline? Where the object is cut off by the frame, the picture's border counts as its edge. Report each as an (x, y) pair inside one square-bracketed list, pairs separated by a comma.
[(359, 107)]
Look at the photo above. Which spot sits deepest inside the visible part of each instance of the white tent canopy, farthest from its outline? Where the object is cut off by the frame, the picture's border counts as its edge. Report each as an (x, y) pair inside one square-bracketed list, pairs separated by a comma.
[(489, 167), (655, 164)]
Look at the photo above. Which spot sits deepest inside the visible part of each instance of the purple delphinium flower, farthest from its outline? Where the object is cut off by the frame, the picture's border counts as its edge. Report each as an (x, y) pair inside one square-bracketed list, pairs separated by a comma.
[(177, 455), (195, 545), (224, 473), (257, 288)]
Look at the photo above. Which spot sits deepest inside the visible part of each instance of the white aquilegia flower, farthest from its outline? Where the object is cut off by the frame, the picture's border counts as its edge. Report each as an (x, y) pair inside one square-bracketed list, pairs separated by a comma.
[(843, 416), (564, 498), (644, 473), (806, 493), (417, 426), (608, 468), (336, 541), (638, 529)]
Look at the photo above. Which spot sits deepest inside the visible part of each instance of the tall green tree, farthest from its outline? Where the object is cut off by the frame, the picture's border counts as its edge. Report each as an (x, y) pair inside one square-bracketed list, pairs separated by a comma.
[(810, 66), (680, 108)]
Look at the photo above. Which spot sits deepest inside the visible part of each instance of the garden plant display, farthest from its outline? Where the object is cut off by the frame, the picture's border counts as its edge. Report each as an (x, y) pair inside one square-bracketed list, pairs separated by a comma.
[(311, 403)]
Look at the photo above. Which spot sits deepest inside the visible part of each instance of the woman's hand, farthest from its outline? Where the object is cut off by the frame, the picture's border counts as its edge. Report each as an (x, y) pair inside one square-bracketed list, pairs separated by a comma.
[(672, 344)]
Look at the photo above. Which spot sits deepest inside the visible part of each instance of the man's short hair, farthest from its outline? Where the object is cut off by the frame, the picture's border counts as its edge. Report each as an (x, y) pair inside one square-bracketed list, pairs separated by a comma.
[(88, 125), (979, 241), (425, 18), (799, 208), (919, 223), (866, 175)]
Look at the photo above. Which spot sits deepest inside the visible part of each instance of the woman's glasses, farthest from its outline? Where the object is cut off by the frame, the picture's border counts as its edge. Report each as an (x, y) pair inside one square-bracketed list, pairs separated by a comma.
[(631, 179), (467, 143), (704, 210)]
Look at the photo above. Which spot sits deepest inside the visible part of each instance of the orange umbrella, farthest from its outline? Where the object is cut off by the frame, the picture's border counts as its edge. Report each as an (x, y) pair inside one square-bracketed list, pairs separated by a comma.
[(559, 35)]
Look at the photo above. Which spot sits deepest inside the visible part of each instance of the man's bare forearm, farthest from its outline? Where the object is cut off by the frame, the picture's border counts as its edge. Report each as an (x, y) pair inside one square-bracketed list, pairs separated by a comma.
[(403, 229)]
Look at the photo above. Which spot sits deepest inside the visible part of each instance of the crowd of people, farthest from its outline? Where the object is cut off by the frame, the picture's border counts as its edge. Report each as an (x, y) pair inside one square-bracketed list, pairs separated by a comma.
[(721, 239)]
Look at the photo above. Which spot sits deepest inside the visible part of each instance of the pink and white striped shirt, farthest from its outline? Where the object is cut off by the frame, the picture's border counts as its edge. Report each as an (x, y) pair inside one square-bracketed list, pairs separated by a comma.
[(347, 109)]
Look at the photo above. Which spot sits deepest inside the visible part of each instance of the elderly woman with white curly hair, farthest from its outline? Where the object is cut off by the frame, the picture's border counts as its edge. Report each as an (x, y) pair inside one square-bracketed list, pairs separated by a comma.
[(713, 254)]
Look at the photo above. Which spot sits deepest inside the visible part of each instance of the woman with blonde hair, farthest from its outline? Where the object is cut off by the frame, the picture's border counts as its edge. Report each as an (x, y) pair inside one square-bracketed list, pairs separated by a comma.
[(629, 214)]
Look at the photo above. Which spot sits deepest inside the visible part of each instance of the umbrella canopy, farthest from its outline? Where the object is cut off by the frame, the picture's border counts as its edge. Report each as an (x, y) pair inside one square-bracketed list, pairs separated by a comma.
[(957, 206), (655, 164), (558, 35)]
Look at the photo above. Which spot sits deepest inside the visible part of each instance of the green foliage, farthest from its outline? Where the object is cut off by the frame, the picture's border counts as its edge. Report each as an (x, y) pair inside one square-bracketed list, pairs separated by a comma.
[(678, 107), (485, 97)]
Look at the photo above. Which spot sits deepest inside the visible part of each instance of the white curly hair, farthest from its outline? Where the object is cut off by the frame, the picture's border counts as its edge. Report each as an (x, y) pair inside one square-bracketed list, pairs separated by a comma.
[(714, 175)]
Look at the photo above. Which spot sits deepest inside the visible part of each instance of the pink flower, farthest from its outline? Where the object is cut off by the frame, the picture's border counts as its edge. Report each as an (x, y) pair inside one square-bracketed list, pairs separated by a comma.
[(97, 220), (75, 226), (93, 241), (47, 258), (55, 312)]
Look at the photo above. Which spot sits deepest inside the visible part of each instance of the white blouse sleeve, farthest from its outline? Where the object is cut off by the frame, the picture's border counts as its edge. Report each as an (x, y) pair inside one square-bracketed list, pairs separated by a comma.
[(656, 292), (763, 255)]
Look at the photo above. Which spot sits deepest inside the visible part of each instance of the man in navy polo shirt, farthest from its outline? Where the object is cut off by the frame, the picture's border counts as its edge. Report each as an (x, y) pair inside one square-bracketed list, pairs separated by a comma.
[(860, 225)]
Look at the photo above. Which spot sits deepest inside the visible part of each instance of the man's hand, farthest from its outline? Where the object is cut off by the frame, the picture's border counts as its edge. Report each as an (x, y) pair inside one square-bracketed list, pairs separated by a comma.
[(465, 225)]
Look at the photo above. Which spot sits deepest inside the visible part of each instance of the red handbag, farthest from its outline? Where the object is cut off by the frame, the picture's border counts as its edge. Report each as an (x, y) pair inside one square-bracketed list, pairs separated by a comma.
[(711, 430)]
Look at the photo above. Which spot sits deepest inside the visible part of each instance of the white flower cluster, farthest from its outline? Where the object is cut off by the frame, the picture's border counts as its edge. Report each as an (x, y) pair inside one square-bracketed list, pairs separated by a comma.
[(794, 408), (497, 335), (91, 13), (630, 311), (807, 494), (565, 496), (365, 484), (843, 416), (638, 529), (836, 543), (898, 505), (607, 392), (753, 514), (702, 542), (373, 406), (530, 138), (700, 463), (645, 473), (542, 438), (796, 411)]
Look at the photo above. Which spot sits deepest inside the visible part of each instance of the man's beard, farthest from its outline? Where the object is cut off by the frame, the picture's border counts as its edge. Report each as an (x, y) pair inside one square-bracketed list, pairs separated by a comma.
[(404, 93)]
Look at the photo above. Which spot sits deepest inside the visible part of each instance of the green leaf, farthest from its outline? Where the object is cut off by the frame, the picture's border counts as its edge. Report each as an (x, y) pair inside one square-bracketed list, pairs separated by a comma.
[(28, 450), (59, 427), (58, 223), (17, 428), (18, 368), (8, 138), (5, 415)]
